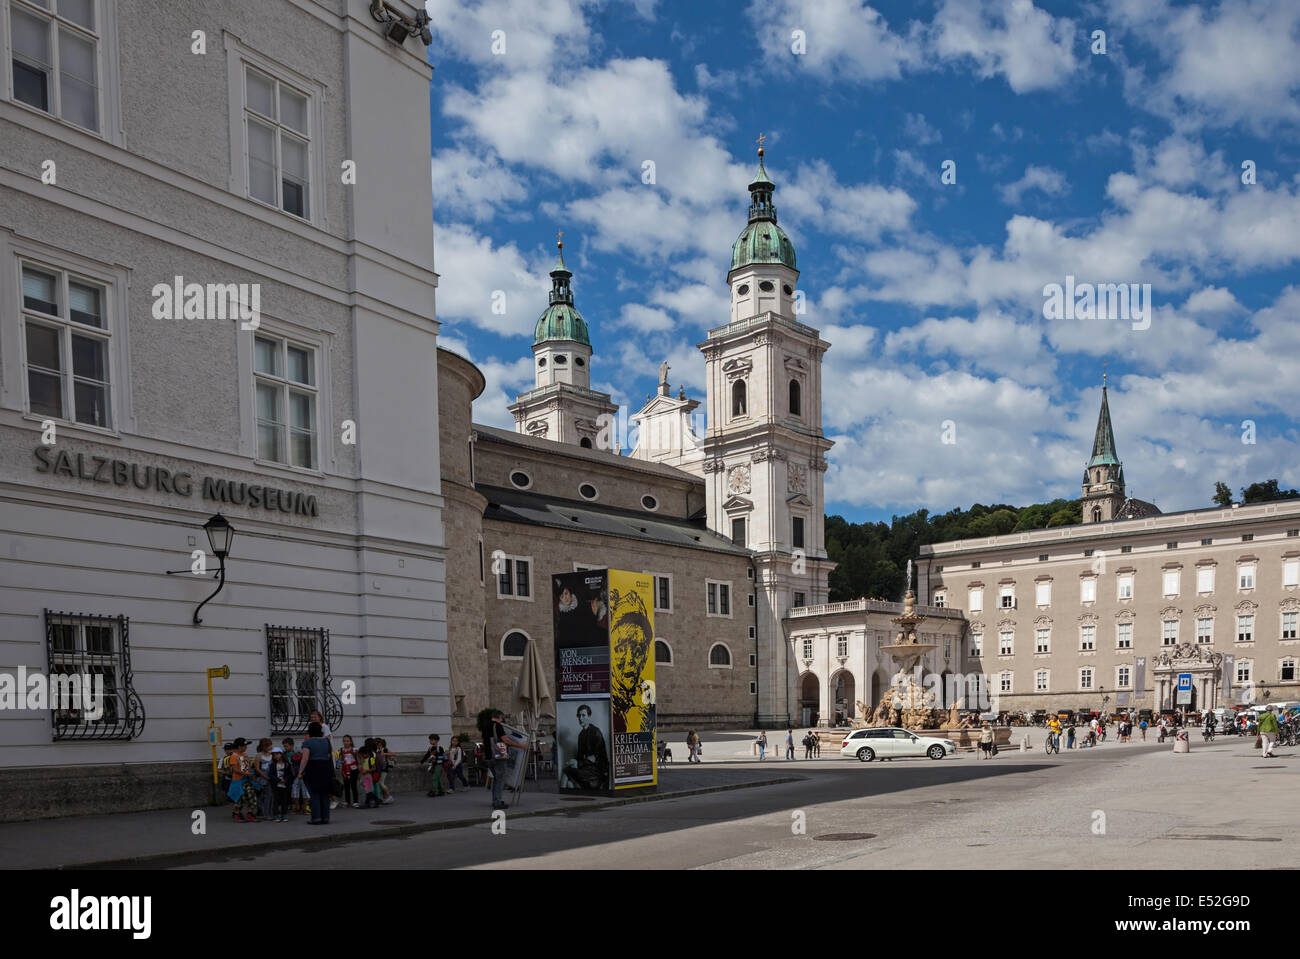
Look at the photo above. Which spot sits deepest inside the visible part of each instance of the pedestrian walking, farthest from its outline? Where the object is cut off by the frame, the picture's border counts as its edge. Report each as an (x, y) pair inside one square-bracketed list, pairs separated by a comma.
[(316, 771), (456, 764), (808, 745), (789, 744), (278, 782), (761, 743), (986, 741), (1142, 729), (1268, 730), (1069, 737), (262, 763), (350, 769), (693, 746)]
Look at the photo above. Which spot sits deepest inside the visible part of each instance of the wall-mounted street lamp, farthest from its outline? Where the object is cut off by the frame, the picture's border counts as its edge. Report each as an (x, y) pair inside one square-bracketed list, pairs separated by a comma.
[(220, 534)]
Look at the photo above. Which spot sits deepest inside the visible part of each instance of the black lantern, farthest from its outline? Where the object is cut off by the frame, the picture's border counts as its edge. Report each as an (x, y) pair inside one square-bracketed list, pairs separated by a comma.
[(220, 533)]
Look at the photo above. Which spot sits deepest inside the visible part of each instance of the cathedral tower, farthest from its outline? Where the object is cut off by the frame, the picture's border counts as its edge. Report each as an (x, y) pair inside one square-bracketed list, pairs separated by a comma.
[(764, 452), (562, 406), (1103, 479)]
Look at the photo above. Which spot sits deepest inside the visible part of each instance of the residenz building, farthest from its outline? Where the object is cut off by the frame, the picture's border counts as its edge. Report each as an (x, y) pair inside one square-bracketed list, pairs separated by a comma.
[(1109, 614)]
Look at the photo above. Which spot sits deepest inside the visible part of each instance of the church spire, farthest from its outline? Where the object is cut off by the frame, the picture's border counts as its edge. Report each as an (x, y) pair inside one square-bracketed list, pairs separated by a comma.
[(1103, 444), (760, 190)]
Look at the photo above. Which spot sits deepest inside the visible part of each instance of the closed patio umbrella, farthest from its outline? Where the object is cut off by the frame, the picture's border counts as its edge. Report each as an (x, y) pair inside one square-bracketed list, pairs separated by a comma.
[(532, 691)]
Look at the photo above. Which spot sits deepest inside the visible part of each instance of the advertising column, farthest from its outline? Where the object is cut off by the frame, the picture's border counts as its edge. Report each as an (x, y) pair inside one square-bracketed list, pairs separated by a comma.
[(605, 680), (632, 677), (580, 604)]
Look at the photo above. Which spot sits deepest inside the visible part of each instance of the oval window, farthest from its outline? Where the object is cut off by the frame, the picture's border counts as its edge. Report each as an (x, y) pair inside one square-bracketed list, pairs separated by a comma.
[(766, 286), (742, 290), (579, 361), (587, 491), (561, 360), (649, 502), (786, 289), (541, 362), (521, 479)]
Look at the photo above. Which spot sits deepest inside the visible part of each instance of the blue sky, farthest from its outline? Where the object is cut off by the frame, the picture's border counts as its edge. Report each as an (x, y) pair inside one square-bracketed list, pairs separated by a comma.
[(1122, 167)]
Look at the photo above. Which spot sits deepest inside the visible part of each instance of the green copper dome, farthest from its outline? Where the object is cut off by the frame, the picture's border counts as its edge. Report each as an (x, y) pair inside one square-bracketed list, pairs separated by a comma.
[(561, 320), (762, 241)]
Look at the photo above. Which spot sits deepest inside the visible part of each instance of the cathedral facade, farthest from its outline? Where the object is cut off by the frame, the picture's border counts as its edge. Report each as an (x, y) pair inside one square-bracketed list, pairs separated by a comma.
[(731, 522)]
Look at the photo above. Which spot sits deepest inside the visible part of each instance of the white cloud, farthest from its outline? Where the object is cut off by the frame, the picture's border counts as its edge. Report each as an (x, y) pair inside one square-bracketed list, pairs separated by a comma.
[(643, 319), (845, 39), (506, 379), (862, 211), (535, 33), (1028, 47), (468, 183), (1044, 179), (918, 131), (1238, 62), (471, 270)]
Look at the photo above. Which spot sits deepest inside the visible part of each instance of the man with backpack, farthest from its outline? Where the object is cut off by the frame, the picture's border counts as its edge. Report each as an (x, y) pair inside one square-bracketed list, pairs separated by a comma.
[(496, 747)]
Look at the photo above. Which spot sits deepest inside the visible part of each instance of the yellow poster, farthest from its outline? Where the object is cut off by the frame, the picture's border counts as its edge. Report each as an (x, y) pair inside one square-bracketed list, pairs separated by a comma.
[(632, 677)]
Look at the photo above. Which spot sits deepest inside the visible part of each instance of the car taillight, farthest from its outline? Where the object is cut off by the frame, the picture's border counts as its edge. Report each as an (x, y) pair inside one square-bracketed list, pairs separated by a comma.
[(845, 743)]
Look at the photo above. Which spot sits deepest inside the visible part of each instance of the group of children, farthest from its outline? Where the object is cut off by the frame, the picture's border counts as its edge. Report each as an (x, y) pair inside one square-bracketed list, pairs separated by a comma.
[(267, 784), (444, 762)]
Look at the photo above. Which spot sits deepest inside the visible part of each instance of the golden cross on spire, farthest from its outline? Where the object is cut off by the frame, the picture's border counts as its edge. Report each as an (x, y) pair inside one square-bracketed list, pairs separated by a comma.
[(1103, 375), (759, 141), (559, 239)]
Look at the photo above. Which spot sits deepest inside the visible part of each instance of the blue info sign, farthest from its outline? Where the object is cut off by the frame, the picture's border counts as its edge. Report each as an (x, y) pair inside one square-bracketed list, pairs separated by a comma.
[(1184, 695), (1184, 680)]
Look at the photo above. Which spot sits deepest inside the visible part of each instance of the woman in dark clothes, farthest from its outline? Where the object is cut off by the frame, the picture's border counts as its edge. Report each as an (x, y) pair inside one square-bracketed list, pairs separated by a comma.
[(317, 771)]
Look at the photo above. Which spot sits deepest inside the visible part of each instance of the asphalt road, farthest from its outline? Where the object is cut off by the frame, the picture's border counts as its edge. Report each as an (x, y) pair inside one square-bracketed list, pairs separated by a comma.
[(1116, 806)]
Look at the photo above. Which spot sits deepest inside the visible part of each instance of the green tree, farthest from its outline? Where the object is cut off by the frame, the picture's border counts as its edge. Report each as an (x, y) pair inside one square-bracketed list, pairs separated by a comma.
[(1222, 494), (1265, 491)]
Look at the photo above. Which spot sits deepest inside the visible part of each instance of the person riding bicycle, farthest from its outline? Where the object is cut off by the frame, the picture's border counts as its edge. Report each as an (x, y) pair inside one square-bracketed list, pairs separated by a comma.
[(1054, 728)]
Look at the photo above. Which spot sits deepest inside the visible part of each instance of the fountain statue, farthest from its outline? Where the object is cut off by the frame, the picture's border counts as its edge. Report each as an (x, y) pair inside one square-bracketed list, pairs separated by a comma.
[(907, 703)]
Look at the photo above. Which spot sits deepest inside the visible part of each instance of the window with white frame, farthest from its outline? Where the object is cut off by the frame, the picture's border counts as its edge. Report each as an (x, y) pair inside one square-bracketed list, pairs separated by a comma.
[(1123, 677), (1204, 630), (1125, 584), (1170, 578), (285, 379), (719, 656), (1289, 625), (947, 648), (1286, 670), (842, 646), (1085, 678), (663, 589), (1169, 632), (1043, 594), (1246, 577), (55, 67), (1291, 572), (1087, 637), (1007, 597), (514, 576), (1087, 590), (975, 604), (1244, 670), (977, 644), (277, 118), (1124, 636), (514, 644), (1004, 682), (1042, 640), (67, 336), (663, 652), (807, 648), (940, 598), (1040, 681), (1245, 628), (718, 598), (1006, 639), (1205, 579)]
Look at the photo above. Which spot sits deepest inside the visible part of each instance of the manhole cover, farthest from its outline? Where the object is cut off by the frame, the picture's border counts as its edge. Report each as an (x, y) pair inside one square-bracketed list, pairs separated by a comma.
[(844, 836), (392, 822)]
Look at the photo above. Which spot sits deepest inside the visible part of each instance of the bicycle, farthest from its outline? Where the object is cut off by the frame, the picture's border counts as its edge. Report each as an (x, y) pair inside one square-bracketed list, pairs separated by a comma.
[(1052, 744)]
